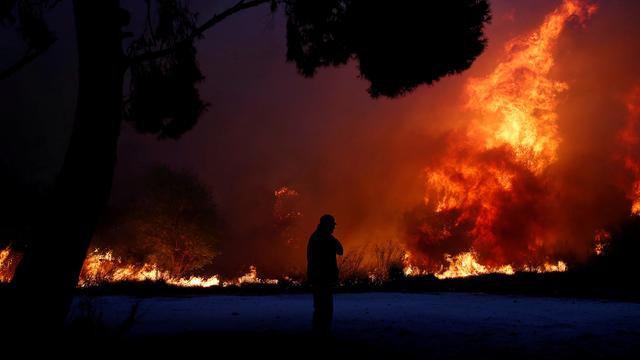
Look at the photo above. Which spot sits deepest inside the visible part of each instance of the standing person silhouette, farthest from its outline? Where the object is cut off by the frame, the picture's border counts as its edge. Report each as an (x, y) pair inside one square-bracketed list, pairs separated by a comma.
[(322, 272)]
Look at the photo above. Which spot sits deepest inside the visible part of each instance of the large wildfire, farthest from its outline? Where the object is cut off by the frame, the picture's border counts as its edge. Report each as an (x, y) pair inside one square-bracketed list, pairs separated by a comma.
[(496, 195), (488, 197)]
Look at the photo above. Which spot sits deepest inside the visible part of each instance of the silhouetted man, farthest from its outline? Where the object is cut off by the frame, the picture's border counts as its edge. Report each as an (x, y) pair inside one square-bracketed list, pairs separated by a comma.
[(322, 272)]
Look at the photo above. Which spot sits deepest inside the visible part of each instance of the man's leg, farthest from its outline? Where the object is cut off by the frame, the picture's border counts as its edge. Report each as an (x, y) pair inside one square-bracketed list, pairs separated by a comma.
[(323, 309), (317, 309)]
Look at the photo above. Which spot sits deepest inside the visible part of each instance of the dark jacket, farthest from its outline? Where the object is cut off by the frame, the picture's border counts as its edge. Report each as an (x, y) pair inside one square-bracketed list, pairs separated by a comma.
[(322, 266)]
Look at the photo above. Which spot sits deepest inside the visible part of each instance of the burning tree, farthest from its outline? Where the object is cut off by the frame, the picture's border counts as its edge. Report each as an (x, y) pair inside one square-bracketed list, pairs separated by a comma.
[(489, 196), (286, 214), (171, 223)]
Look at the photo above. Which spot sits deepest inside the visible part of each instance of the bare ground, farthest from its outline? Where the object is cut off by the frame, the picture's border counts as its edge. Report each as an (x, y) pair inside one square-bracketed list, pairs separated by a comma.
[(374, 325)]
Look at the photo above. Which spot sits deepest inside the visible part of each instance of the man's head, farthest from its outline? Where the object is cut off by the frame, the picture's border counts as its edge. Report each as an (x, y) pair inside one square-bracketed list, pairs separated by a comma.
[(327, 223)]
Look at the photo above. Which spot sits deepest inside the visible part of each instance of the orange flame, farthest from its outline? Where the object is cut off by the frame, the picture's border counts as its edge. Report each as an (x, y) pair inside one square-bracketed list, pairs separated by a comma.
[(102, 266), (466, 264), (516, 107), (251, 278), (630, 141), (7, 264), (601, 241), (505, 151)]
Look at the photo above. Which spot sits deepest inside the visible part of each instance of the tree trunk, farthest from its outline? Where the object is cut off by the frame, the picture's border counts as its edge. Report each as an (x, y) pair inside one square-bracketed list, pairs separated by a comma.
[(45, 279)]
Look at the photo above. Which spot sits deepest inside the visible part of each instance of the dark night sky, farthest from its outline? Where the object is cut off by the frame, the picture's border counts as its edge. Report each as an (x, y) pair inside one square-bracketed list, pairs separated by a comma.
[(344, 152)]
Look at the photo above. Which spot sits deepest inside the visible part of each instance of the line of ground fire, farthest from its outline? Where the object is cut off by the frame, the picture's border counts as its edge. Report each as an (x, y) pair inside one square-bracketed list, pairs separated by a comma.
[(103, 267)]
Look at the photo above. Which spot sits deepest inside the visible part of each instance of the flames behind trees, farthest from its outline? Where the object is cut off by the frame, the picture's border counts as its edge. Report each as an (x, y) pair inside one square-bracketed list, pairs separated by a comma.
[(501, 195), (505, 190), (492, 191)]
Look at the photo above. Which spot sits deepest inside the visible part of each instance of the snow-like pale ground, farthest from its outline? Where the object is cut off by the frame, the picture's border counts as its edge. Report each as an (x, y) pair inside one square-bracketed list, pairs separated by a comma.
[(438, 324)]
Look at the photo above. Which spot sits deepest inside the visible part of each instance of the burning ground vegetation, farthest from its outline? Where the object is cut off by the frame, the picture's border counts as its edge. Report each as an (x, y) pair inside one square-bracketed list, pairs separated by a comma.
[(102, 266), (495, 198)]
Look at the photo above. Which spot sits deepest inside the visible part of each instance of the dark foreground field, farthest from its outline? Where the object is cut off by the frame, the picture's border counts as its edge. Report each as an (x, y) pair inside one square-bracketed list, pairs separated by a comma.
[(369, 325)]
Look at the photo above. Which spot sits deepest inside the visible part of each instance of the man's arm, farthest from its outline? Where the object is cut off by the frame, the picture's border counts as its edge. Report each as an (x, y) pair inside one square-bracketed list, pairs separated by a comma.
[(339, 249)]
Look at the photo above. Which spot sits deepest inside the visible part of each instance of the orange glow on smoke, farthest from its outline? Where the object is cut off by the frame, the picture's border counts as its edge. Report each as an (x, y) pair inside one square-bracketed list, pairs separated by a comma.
[(630, 141), (498, 164)]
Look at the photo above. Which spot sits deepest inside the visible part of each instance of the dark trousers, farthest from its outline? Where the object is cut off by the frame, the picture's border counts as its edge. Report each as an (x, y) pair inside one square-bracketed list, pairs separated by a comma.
[(322, 308)]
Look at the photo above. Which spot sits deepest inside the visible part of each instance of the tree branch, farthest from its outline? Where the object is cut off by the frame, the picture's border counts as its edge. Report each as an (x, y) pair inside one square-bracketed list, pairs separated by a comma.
[(149, 23), (27, 59), (241, 5)]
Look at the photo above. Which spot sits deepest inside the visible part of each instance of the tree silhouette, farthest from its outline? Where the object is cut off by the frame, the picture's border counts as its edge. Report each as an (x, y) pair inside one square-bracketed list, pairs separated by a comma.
[(398, 45)]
